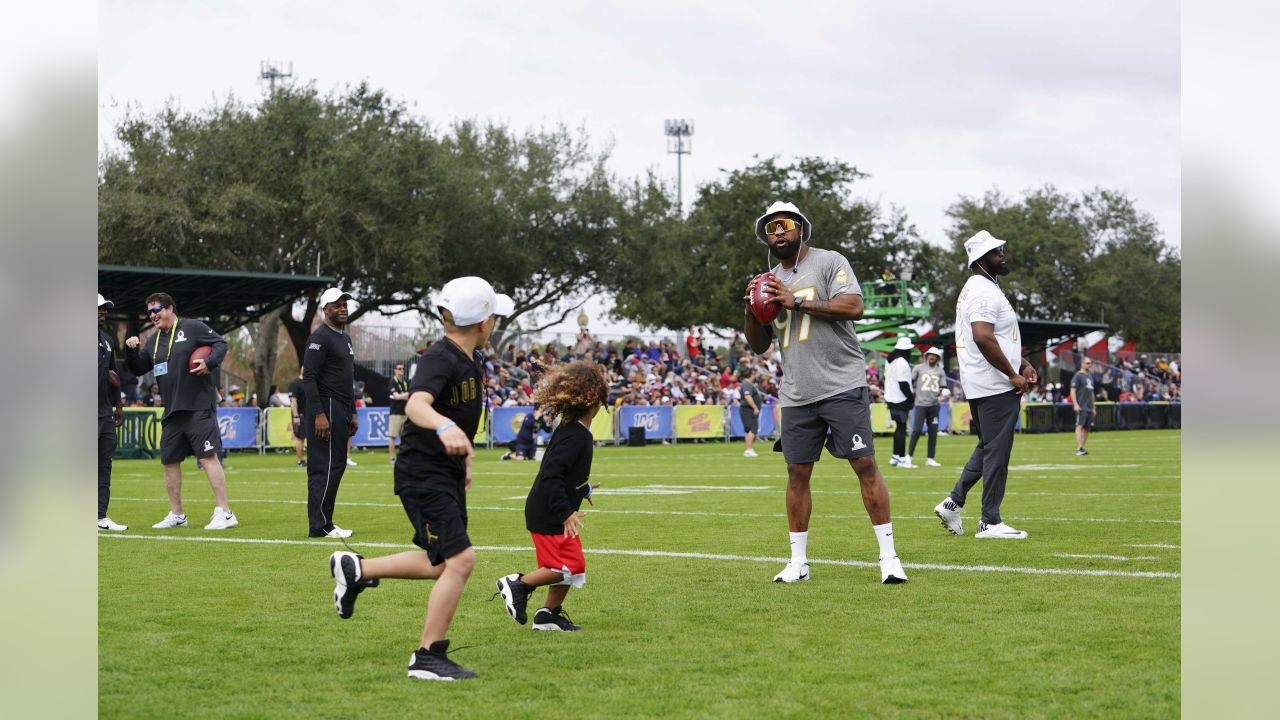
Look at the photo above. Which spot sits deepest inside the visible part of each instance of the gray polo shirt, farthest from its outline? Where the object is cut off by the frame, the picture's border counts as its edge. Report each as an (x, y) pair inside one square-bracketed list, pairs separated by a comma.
[(1082, 383)]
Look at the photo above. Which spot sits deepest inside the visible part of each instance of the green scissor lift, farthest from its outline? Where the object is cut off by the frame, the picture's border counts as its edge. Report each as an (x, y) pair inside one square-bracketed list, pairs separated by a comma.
[(890, 305)]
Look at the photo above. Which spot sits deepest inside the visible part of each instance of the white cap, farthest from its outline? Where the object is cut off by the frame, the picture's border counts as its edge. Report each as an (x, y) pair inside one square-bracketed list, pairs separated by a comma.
[(934, 351), (333, 295), (806, 229), (904, 343), (103, 301), (471, 299), (979, 245)]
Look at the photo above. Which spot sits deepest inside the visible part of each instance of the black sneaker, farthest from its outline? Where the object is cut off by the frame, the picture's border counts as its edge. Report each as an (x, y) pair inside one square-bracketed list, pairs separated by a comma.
[(515, 594), (345, 567), (434, 664), (302, 463), (546, 619), (1081, 451)]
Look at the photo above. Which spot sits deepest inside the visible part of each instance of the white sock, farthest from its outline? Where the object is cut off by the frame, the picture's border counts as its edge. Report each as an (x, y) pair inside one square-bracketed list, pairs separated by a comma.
[(799, 547), (884, 535)]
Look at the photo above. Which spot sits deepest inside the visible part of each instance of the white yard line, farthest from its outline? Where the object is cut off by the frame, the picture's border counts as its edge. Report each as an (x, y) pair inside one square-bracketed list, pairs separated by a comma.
[(1117, 558), (1158, 545), (689, 555)]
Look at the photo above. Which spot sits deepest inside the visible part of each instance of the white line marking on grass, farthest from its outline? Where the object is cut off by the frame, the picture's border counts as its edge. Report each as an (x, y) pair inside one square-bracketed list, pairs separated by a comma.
[(1158, 545), (1067, 467), (689, 555), (1118, 558)]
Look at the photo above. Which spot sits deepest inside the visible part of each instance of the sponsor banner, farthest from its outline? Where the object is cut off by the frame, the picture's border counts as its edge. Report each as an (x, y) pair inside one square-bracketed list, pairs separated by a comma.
[(238, 427), (768, 421), (961, 418), (375, 427), (279, 427), (139, 436), (658, 421), (507, 422), (699, 421), (602, 425)]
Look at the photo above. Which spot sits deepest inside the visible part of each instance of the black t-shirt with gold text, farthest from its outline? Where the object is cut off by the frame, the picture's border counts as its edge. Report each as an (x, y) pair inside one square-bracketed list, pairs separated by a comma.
[(456, 382)]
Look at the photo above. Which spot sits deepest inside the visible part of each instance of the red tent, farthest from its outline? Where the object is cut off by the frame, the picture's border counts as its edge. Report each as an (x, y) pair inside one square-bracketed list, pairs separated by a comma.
[(1098, 351)]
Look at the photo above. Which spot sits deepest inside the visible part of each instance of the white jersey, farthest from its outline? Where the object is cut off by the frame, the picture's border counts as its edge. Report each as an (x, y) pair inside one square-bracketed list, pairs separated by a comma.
[(898, 371), (981, 301)]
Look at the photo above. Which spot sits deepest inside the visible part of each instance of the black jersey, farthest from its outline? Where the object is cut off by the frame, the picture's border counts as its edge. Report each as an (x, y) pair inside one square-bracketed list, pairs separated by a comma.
[(563, 481), (328, 370), (106, 360), (170, 351), (456, 385), (298, 393)]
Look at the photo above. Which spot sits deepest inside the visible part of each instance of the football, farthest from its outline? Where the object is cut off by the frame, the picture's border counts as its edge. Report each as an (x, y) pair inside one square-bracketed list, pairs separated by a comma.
[(201, 353), (759, 294)]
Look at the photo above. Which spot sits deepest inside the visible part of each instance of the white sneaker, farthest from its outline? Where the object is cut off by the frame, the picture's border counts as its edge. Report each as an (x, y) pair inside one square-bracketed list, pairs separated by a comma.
[(904, 462), (750, 453), (351, 463), (891, 571), (793, 572), (893, 460), (932, 463), (338, 532), (949, 513), (171, 520), (107, 523), (1000, 530), (221, 520)]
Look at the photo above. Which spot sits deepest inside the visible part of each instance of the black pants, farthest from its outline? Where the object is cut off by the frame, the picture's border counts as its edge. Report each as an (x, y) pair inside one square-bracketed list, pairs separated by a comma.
[(926, 417), (106, 447), (900, 412), (326, 462), (994, 420)]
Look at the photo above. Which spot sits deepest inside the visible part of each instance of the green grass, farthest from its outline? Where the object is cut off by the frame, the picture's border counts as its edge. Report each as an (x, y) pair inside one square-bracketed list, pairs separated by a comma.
[(213, 629)]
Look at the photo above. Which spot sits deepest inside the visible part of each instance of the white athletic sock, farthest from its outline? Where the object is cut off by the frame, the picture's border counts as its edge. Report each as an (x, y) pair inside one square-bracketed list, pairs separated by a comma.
[(799, 547), (884, 535)]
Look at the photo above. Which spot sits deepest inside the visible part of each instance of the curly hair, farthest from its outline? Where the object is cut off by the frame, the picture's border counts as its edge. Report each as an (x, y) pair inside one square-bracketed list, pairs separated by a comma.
[(573, 390)]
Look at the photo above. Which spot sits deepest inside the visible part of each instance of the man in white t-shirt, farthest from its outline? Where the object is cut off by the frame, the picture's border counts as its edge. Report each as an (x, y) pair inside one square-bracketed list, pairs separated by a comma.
[(899, 394), (988, 347)]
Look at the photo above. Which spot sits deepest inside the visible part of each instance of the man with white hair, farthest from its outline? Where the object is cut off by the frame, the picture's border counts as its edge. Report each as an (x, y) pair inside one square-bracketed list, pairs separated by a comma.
[(989, 347)]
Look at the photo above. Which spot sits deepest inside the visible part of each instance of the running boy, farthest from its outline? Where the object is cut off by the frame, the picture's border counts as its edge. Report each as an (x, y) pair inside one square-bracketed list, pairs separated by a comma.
[(575, 392), (433, 474)]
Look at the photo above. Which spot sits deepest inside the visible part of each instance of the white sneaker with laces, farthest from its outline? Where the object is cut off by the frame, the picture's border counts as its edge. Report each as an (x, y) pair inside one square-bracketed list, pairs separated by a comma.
[(221, 520), (793, 572), (171, 520), (338, 532), (750, 453), (351, 463), (949, 513), (893, 460), (904, 462), (107, 523), (891, 571), (1000, 530), (932, 463)]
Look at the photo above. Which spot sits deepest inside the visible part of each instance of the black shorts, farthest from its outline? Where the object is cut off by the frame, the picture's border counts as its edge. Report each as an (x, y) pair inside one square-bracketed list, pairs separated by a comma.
[(299, 430), (439, 522), (750, 420), (805, 428), (1084, 419), (185, 433)]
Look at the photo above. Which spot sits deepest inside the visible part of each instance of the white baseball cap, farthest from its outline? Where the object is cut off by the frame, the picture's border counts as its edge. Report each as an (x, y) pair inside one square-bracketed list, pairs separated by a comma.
[(980, 244), (333, 295), (471, 299), (904, 343), (806, 228), (934, 351), (103, 301)]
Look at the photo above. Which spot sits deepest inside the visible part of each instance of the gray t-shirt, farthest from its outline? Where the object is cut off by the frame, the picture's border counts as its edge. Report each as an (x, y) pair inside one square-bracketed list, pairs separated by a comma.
[(1082, 383), (749, 390), (819, 358), (928, 382)]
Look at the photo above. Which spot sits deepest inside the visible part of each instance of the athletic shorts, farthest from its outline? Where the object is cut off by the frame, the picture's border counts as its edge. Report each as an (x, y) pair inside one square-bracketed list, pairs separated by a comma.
[(841, 422), (563, 555), (439, 522), (189, 432), (1084, 418), (397, 425), (750, 420), (300, 430)]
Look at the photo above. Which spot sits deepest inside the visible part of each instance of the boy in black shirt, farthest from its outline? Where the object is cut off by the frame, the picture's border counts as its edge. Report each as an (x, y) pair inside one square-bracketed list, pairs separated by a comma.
[(552, 511), (433, 473)]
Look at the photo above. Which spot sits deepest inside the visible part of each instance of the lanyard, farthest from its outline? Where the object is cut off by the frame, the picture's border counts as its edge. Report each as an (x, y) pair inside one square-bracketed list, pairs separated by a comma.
[(400, 385), (173, 331)]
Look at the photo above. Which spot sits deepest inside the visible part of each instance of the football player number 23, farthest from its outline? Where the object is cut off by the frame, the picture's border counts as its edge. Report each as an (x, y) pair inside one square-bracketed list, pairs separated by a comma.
[(784, 321)]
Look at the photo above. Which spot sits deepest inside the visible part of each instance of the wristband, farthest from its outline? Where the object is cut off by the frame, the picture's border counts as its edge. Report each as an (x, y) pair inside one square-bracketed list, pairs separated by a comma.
[(446, 426)]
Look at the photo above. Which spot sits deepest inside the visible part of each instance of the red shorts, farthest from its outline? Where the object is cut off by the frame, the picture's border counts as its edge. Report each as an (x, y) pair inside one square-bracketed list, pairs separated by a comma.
[(557, 552)]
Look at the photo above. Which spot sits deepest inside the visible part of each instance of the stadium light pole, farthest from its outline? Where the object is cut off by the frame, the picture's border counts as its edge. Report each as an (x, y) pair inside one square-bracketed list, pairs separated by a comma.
[(679, 133), (271, 72)]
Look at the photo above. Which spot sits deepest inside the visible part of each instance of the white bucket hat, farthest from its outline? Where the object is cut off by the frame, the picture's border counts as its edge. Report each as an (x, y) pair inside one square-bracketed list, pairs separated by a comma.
[(806, 228), (471, 299), (934, 351), (103, 301), (904, 343), (980, 244), (333, 295)]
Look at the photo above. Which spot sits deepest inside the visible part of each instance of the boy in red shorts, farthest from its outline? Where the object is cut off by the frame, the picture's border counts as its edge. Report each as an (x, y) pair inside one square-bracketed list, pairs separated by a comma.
[(552, 514)]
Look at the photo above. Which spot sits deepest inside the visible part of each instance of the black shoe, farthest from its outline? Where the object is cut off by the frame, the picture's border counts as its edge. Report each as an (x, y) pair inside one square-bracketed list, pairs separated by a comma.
[(433, 664), (302, 463), (515, 594), (546, 619), (345, 567)]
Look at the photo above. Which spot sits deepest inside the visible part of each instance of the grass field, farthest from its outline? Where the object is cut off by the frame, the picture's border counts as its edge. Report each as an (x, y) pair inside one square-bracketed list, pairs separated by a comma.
[(680, 617)]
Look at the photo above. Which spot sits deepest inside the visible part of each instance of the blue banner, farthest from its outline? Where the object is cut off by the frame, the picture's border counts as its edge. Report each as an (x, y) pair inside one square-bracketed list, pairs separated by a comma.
[(375, 427), (507, 421), (767, 422), (238, 427), (658, 421), (944, 420)]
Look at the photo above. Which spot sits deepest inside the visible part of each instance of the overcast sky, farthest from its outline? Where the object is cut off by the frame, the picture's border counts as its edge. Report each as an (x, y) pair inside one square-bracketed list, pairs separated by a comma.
[(932, 100)]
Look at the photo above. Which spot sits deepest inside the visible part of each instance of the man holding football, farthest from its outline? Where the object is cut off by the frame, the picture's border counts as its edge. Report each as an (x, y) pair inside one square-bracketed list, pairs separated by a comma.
[(824, 385)]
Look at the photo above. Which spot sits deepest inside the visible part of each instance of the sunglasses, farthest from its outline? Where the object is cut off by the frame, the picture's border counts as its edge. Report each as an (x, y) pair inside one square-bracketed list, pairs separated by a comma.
[(155, 310), (777, 227)]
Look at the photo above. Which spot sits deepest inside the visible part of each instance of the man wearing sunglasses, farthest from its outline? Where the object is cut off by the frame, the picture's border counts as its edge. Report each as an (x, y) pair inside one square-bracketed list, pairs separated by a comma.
[(189, 425), (824, 384)]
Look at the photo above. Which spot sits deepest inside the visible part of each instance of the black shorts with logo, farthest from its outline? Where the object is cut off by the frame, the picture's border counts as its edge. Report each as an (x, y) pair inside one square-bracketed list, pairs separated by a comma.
[(189, 432), (846, 416), (439, 522), (1084, 418), (750, 420)]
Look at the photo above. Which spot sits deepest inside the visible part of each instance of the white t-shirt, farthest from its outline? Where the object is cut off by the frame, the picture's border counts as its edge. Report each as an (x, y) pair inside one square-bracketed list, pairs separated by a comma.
[(981, 301), (898, 371)]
